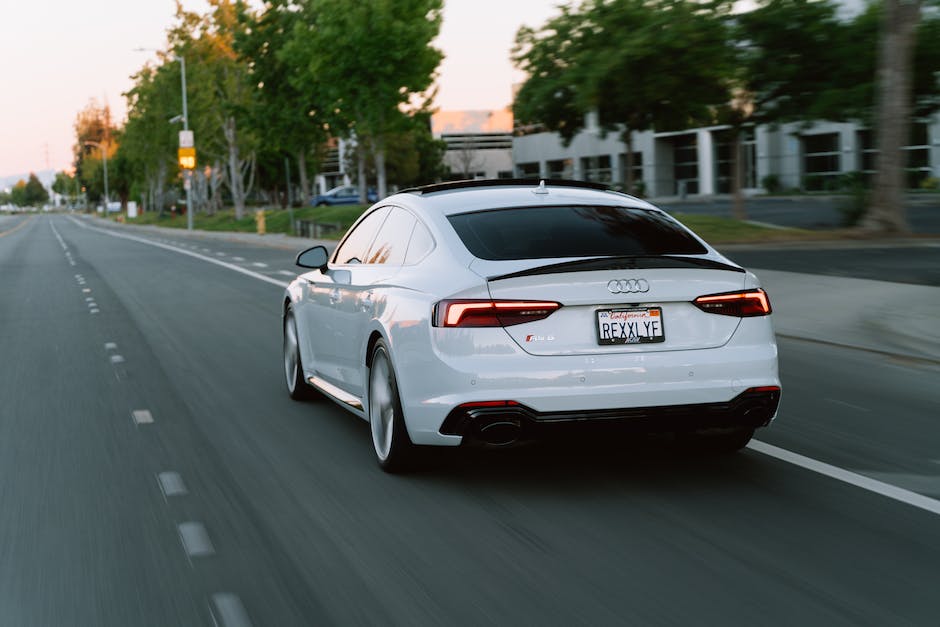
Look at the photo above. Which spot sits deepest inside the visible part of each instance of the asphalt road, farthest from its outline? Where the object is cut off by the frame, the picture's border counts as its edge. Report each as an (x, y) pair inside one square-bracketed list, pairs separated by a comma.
[(174, 366)]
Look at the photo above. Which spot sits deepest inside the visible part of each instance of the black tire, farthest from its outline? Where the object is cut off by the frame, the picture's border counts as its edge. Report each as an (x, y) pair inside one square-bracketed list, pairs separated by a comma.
[(322, 204), (393, 448), (297, 387)]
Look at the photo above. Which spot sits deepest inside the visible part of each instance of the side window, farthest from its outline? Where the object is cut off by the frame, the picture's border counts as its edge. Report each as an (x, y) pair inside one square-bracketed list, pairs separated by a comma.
[(354, 247), (421, 244), (392, 241)]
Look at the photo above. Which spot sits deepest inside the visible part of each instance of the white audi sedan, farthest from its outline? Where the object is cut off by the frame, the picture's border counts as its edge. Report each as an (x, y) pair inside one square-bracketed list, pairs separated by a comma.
[(495, 312)]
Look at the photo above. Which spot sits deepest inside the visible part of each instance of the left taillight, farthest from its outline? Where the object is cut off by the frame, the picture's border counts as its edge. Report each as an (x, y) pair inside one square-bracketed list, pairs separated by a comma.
[(745, 304), (491, 313)]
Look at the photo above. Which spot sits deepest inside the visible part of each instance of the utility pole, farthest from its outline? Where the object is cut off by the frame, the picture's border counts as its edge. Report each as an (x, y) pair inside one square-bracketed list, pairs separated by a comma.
[(189, 173)]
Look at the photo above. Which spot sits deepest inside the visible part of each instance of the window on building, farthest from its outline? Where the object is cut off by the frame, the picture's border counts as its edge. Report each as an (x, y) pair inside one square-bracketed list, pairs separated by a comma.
[(685, 164), (596, 169), (528, 170), (917, 154), (638, 183), (821, 162), (724, 163), (560, 169)]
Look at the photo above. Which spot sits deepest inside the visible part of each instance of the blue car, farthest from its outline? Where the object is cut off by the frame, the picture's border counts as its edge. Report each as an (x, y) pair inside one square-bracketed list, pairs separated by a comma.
[(342, 195)]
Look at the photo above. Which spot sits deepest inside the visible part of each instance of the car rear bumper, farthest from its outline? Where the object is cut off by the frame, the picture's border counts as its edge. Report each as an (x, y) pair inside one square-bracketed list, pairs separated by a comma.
[(751, 409)]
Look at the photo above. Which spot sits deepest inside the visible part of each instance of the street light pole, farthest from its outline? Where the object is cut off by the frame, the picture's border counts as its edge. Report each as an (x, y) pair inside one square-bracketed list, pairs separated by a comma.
[(189, 173)]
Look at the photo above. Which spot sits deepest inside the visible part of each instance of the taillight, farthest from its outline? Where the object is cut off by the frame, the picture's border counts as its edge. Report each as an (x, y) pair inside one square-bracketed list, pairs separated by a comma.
[(741, 304), (490, 313)]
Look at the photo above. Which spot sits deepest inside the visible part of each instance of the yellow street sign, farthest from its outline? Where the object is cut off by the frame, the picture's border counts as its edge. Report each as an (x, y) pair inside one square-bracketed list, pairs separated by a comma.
[(187, 158)]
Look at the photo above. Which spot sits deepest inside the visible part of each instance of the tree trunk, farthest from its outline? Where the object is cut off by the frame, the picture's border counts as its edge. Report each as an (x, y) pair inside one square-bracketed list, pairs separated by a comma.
[(886, 212), (304, 181), (236, 184), (378, 154), (361, 171), (628, 142), (737, 204)]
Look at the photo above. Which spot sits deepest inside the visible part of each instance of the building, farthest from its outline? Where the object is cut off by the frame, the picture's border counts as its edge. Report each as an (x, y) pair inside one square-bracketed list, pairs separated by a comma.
[(697, 162), (479, 143)]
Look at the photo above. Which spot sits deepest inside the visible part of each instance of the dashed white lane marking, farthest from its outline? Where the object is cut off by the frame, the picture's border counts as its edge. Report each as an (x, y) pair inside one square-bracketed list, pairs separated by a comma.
[(220, 254), (258, 264), (195, 539), (86, 290), (94, 311), (287, 273), (860, 481), (217, 262), (117, 359), (89, 299), (205, 250), (92, 303), (849, 405), (238, 258), (142, 416), (227, 611), (110, 346), (171, 484)]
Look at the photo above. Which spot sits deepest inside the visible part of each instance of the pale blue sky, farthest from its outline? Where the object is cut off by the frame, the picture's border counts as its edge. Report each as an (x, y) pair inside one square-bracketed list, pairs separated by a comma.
[(57, 54)]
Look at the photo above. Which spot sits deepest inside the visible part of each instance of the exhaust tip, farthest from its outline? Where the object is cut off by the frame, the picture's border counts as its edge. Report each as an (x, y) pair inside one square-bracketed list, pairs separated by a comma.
[(500, 432)]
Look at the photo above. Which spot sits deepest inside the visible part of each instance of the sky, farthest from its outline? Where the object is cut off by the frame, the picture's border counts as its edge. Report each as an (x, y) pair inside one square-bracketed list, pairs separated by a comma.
[(55, 55)]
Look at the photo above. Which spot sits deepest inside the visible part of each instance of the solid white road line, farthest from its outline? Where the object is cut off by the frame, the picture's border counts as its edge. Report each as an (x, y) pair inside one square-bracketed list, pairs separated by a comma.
[(171, 484), (228, 611), (860, 481), (195, 539), (217, 262), (142, 416)]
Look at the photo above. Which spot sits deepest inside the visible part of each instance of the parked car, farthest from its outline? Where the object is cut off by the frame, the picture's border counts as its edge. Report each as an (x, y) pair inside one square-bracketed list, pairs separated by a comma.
[(342, 195), (498, 311)]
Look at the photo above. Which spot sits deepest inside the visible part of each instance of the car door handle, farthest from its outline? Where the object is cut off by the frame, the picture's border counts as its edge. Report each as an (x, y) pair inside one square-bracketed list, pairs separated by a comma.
[(334, 296), (365, 303)]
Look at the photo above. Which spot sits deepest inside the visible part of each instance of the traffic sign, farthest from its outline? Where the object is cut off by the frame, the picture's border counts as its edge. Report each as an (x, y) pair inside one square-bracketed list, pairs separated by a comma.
[(187, 158), (186, 139)]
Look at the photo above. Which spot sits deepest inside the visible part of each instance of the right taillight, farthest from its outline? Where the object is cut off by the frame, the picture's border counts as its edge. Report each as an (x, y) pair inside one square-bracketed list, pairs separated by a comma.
[(744, 304)]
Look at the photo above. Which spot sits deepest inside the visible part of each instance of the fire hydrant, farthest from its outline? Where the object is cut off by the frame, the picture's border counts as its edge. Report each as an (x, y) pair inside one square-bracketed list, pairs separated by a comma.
[(259, 221)]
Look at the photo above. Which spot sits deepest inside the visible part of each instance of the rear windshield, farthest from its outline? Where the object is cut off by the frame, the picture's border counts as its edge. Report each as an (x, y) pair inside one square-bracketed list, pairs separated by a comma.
[(545, 232)]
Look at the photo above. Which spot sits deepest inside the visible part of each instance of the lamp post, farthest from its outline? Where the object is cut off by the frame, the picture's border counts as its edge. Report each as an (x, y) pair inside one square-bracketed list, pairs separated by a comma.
[(104, 158), (187, 173)]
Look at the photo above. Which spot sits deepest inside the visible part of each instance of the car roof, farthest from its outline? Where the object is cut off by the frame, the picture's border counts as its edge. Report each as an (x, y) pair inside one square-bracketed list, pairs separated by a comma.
[(468, 196)]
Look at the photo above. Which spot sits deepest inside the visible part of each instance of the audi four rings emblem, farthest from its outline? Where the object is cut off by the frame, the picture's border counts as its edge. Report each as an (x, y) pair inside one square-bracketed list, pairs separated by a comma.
[(628, 286)]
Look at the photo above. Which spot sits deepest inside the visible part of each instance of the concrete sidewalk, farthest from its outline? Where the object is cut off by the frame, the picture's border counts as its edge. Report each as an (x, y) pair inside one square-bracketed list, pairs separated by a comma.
[(894, 318)]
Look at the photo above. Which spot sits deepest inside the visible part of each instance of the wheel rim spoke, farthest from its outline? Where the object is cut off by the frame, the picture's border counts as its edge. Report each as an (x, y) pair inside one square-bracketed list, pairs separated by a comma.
[(381, 407)]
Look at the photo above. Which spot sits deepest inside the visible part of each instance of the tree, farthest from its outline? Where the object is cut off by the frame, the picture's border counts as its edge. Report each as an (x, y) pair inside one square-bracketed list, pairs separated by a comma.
[(639, 64), (94, 130), (370, 59), (18, 194), (223, 97), (36, 193), (287, 113), (895, 73)]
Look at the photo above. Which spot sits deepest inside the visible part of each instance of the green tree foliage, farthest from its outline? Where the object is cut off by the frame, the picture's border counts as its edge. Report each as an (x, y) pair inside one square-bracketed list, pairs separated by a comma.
[(18, 194), (286, 113), (94, 133), (638, 64), (36, 194), (369, 60)]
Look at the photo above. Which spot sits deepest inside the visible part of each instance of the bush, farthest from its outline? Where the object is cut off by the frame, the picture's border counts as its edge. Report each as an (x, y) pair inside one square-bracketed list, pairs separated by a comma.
[(853, 206), (771, 183)]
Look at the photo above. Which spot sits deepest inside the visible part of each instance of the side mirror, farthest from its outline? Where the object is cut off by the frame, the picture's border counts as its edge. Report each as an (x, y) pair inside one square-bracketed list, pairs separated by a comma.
[(315, 257)]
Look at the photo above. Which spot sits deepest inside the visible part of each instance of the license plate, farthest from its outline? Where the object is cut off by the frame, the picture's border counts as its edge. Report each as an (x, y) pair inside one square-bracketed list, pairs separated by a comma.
[(637, 325)]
